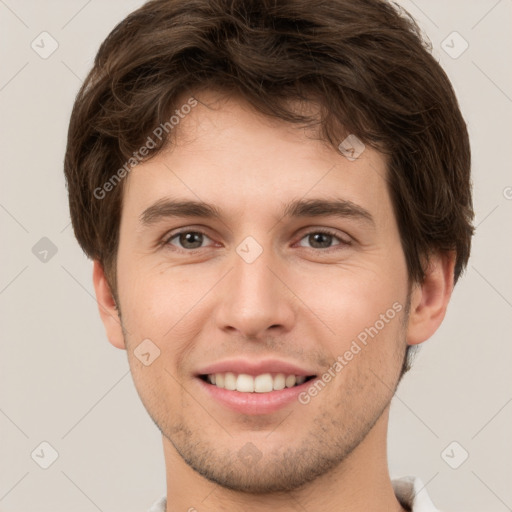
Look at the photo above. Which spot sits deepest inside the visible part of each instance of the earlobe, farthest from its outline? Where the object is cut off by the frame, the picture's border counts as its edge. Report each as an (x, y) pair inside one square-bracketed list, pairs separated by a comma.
[(107, 307), (429, 300)]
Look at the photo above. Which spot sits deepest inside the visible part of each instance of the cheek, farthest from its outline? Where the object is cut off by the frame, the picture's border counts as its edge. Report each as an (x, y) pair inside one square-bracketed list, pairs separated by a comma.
[(154, 307), (153, 301), (350, 299), (167, 307)]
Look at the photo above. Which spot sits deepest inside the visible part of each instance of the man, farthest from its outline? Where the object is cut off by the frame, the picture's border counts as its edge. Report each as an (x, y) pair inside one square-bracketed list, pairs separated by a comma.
[(276, 197)]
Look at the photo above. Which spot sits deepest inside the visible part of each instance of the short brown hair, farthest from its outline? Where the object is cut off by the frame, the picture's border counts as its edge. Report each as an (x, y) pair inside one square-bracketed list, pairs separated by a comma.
[(364, 62)]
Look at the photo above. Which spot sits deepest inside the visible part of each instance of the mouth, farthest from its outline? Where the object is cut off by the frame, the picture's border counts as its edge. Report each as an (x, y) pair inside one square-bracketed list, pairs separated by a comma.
[(263, 383), (262, 394), (254, 387)]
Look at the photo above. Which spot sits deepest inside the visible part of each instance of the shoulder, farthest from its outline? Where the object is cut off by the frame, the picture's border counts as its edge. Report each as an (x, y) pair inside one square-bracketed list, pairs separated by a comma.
[(159, 505), (411, 492)]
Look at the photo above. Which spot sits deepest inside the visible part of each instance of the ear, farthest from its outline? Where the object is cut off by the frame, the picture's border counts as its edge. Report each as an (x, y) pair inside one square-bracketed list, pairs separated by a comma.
[(429, 300), (107, 307)]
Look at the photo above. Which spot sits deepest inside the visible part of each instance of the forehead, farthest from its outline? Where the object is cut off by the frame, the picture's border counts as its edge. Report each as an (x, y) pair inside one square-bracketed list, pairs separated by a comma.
[(228, 155)]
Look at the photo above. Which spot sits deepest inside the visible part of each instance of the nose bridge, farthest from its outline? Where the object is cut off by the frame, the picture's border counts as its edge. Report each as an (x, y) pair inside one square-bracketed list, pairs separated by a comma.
[(255, 298)]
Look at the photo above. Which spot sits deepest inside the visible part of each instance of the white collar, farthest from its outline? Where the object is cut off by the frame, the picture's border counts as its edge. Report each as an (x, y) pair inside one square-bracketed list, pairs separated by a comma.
[(411, 492)]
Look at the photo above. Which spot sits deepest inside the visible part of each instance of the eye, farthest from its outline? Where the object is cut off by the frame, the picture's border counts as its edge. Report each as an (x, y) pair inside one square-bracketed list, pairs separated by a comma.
[(188, 240), (322, 239)]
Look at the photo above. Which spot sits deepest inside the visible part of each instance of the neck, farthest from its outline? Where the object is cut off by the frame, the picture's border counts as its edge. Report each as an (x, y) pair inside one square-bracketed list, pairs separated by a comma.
[(360, 482)]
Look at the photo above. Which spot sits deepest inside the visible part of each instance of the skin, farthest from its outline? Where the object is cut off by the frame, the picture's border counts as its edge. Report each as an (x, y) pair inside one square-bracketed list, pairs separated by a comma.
[(300, 302)]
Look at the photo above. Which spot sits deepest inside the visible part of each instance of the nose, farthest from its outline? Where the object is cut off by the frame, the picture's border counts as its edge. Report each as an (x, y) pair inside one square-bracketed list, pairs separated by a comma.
[(255, 298)]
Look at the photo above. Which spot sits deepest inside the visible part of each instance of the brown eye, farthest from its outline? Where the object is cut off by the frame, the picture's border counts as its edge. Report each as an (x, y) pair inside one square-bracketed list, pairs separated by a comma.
[(321, 239), (188, 240)]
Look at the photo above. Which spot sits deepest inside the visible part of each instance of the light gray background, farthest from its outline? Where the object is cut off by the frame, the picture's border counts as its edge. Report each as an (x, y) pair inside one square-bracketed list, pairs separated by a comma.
[(63, 383)]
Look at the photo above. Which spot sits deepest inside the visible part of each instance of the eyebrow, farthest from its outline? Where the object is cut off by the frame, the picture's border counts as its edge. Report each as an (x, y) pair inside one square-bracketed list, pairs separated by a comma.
[(169, 208)]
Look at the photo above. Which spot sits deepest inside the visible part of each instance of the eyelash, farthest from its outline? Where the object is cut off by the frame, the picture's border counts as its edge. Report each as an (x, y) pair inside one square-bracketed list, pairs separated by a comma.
[(343, 243)]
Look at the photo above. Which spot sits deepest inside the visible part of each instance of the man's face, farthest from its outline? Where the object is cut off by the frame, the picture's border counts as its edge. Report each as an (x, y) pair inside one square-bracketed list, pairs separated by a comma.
[(259, 292)]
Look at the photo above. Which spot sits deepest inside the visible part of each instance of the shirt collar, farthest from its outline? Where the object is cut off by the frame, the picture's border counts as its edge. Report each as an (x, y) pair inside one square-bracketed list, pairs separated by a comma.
[(411, 492)]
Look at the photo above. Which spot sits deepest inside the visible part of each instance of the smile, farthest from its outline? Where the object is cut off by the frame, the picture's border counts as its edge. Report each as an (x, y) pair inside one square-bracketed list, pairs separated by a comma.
[(263, 383)]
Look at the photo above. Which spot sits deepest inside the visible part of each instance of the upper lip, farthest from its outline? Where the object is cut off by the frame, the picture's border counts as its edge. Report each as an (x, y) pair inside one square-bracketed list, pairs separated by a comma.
[(251, 367)]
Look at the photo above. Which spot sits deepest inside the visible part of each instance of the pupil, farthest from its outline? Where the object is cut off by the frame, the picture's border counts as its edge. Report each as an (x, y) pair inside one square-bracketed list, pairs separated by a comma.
[(326, 237), (188, 238)]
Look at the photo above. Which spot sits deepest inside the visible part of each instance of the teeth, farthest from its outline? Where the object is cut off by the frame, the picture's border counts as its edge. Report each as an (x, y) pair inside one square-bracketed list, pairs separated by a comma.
[(229, 381), (279, 381), (245, 383), (290, 381), (264, 383)]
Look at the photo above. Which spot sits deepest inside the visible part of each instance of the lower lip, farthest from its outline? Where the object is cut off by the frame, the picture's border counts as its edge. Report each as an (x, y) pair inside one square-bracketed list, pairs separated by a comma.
[(254, 403)]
